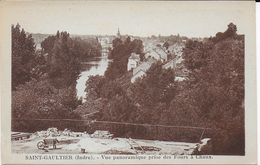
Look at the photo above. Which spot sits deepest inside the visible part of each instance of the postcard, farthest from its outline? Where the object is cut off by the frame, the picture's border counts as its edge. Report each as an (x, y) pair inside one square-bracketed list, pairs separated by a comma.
[(128, 82)]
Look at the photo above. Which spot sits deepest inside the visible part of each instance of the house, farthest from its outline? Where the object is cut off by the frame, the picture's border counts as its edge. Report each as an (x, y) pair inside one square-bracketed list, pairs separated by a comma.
[(140, 73), (143, 66), (171, 64), (176, 49), (151, 60), (141, 69), (179, 59), (163, 55), (157, 54), (152, 54), (133, 61)]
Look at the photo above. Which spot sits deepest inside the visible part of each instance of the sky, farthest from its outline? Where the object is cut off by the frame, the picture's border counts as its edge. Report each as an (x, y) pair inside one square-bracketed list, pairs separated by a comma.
[(191, 19)]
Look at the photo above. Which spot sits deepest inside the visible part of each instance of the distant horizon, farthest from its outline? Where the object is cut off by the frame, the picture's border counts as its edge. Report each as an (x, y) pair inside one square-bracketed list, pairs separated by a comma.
[(143, 19), (114, 35)]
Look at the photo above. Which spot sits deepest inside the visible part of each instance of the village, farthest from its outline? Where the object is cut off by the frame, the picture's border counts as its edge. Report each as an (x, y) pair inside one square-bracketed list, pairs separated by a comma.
[(154, 49), (101, 141), (139, 95)]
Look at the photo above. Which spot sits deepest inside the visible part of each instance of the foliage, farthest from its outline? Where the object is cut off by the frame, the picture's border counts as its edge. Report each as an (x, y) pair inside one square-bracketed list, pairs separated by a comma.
[(48, 44), (23, 56), (43, 88), (153, 93), (166, 45), (120, 54), (64, 56), (114, 104), (84, 49), (119, 108), (120, 57), (136, 46), (230, 32), (157, 86), (94, 86), (39, 99), (214, 95)]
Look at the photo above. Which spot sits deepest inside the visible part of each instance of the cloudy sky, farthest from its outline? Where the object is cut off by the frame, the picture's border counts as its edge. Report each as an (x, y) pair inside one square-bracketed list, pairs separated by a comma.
[(191, 19)]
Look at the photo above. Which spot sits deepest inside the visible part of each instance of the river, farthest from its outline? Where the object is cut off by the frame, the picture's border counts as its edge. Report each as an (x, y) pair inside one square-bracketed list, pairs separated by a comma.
[(95, 66)]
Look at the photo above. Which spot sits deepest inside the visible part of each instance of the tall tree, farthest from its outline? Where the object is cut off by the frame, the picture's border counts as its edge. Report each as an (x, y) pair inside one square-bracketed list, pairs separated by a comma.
[(48, 44), (65, 66), (154, 92), (215, 91), (120, 54), (136, 46), (23, 56)]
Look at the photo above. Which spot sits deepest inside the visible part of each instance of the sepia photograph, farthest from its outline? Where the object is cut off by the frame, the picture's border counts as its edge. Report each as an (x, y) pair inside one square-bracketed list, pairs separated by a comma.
[(128, 82)]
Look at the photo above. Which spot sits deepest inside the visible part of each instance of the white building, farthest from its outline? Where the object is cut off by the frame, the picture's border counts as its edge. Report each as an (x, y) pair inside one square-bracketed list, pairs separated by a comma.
[(140, 73), (133, 61), (163, 55), (152, 54), (141, 69), (105, 43), (157, 54), (171, 64)]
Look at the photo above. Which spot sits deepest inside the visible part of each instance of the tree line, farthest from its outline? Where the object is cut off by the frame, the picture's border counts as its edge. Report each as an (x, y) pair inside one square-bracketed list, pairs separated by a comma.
[(44, 82)]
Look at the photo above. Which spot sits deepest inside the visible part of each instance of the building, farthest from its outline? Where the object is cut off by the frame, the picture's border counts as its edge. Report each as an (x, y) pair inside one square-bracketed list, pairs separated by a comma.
[(157, 54), (106, 43), (133, 61), (141, 69), (152, 54), (171, 64), (118, 34), (163, 55)]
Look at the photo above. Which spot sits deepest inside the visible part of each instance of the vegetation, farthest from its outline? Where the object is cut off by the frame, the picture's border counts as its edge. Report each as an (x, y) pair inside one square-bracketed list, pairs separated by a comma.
[(23, 57), (120, 54), (43, 84), (211, 97)]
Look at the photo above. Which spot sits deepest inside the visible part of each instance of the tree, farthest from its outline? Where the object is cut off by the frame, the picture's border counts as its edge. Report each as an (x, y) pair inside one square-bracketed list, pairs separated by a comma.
[(48, 44), (23, 56), (136, 46), (40, 100), (214, 93), (120, 57), (166, 45), (157, 86), (195, 55), (94, 86), (65, 65), (120, 54), (153, 93), (230, 32)]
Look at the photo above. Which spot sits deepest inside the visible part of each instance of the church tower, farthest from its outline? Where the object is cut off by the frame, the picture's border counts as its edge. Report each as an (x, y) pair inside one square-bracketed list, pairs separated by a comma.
[(118, 33)]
